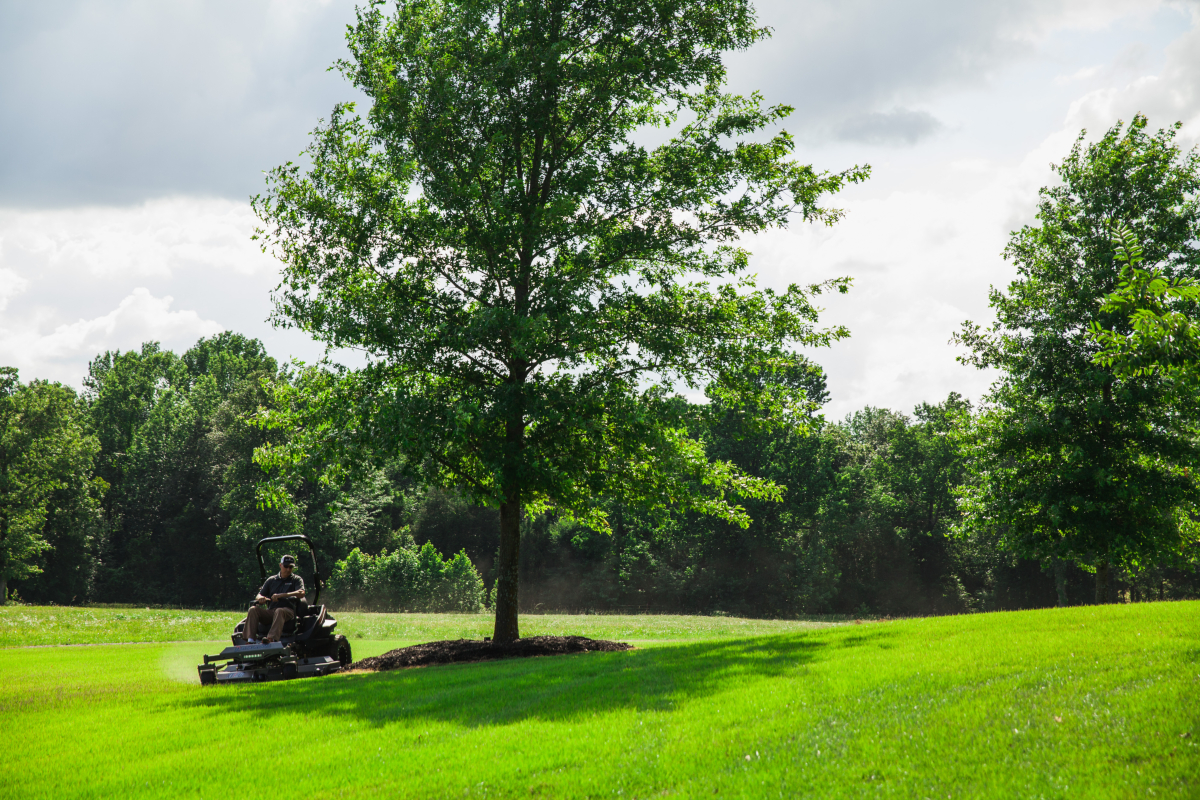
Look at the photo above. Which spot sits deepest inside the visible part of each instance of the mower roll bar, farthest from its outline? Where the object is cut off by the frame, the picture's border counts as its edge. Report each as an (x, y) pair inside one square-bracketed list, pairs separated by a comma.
[(297, 537)]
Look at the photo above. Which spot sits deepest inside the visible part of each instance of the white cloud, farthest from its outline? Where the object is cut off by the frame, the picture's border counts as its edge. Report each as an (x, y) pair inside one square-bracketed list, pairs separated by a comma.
[(117, 101), (1079, 75), (154, 238), (11, 285), (922, 261), (233, 92), (898, 126), (923, 238), (839, 62), (77, 281), (139, 317), (924, 241), (1170, 96)]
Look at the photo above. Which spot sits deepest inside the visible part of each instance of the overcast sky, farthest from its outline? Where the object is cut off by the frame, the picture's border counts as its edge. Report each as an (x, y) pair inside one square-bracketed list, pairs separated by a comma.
[(134, 133)]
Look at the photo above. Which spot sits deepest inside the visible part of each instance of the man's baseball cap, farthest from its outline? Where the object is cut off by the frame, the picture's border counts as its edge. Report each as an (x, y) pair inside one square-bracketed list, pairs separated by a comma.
[(287, 561)]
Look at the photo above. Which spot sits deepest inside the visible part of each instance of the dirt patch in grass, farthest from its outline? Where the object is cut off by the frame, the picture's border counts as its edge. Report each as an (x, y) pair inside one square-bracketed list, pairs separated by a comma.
[(460, 650)]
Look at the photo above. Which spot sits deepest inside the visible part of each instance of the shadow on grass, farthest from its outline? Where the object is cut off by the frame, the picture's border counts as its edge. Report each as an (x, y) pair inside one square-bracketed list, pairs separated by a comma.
[(558, 687)]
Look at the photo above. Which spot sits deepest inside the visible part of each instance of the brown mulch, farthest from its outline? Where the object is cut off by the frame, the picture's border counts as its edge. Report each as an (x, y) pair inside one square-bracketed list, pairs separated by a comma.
[(461, 650)]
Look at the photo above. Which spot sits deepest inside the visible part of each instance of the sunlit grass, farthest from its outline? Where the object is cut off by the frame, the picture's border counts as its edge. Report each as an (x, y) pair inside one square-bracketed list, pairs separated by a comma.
[(41, 625), (1083, 702)]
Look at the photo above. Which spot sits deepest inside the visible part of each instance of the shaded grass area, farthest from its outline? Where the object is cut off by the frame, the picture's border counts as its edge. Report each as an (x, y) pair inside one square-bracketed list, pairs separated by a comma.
[(1089, 702), (22, 626)]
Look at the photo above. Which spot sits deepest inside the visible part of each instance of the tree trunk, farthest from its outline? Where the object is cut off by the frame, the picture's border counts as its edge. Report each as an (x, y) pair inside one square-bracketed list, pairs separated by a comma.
[(507, 572), (1060, 581), (619, 542), (1102, 583), (3, 590)]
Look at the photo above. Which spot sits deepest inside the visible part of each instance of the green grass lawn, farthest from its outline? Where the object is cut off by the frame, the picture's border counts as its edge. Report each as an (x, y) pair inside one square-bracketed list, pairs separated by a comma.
[(22, 626), (1082, 702)]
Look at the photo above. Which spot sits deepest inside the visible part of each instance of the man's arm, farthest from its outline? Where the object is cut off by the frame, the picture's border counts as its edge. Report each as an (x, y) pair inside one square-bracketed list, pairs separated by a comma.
[(262, 596), (298, 593)]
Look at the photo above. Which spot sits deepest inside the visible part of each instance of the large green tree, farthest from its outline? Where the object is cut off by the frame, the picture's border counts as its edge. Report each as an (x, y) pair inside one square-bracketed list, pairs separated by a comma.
[(1074, 458), (45, 449), (530, 280)]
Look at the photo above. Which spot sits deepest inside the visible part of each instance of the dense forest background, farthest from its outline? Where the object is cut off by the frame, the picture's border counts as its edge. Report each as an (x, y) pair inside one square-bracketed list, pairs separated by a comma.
[(162, 504)]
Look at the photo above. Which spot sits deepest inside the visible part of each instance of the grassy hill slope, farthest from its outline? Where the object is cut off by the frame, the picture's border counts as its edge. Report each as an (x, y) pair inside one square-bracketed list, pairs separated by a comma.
[(1081, 702)]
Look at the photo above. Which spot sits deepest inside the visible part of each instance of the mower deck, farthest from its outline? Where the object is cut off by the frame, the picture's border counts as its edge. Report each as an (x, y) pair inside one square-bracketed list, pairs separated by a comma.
[(263, 662)]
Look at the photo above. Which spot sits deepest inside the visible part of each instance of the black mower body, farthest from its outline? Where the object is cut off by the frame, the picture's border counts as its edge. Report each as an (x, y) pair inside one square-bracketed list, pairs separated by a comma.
[(263, 662), (309, 645)]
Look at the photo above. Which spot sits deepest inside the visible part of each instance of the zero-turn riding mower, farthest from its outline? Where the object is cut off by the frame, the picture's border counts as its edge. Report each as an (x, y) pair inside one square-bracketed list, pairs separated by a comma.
[(307, 647)]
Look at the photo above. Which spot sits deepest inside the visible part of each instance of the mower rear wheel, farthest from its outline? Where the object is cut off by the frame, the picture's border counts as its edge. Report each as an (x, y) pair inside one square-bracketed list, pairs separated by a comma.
[(341, 651)]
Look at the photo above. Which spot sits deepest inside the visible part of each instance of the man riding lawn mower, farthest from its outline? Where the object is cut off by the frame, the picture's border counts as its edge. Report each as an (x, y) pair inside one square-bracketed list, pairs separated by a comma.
[(282, 591), (282, 636)]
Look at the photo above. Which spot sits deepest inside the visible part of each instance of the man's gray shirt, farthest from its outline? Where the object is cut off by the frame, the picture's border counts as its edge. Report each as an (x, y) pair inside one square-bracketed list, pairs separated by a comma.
[(276, 584)]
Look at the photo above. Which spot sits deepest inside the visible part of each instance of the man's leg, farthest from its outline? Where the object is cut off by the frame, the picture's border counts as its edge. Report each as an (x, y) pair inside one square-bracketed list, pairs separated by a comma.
[(282, 615), (253, 617)]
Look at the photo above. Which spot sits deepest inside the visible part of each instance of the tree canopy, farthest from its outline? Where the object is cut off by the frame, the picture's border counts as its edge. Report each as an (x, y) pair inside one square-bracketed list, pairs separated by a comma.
[(531, 283), (1072, 458)]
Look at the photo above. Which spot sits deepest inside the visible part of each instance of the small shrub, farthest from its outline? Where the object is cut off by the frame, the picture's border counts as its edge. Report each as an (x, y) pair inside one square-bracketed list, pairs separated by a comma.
[(406, 579)]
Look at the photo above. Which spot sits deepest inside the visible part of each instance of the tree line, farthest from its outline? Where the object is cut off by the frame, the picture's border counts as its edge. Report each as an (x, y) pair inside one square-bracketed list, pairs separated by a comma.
[(150, 494)]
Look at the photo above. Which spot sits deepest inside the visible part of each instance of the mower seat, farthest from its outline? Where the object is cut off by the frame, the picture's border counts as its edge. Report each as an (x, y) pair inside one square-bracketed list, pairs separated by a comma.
[(306, 623)]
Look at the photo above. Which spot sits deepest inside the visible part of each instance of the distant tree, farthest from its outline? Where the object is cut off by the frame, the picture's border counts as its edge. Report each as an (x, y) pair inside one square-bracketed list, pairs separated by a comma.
[(530, 283), (45, 448), (1073, 458), (452, 523), (885, 518)]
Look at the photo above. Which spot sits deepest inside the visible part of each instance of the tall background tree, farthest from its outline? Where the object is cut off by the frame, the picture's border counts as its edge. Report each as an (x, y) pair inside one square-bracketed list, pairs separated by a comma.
[(1073, 459), (48, 499), (530, 284)]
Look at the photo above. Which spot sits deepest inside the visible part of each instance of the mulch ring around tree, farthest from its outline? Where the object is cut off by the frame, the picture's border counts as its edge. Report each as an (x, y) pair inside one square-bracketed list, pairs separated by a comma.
[(463, 650)]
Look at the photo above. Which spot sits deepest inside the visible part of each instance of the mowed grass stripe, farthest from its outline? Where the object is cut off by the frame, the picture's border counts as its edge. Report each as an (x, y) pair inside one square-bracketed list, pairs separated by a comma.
[(961, 706), (24, 626)]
